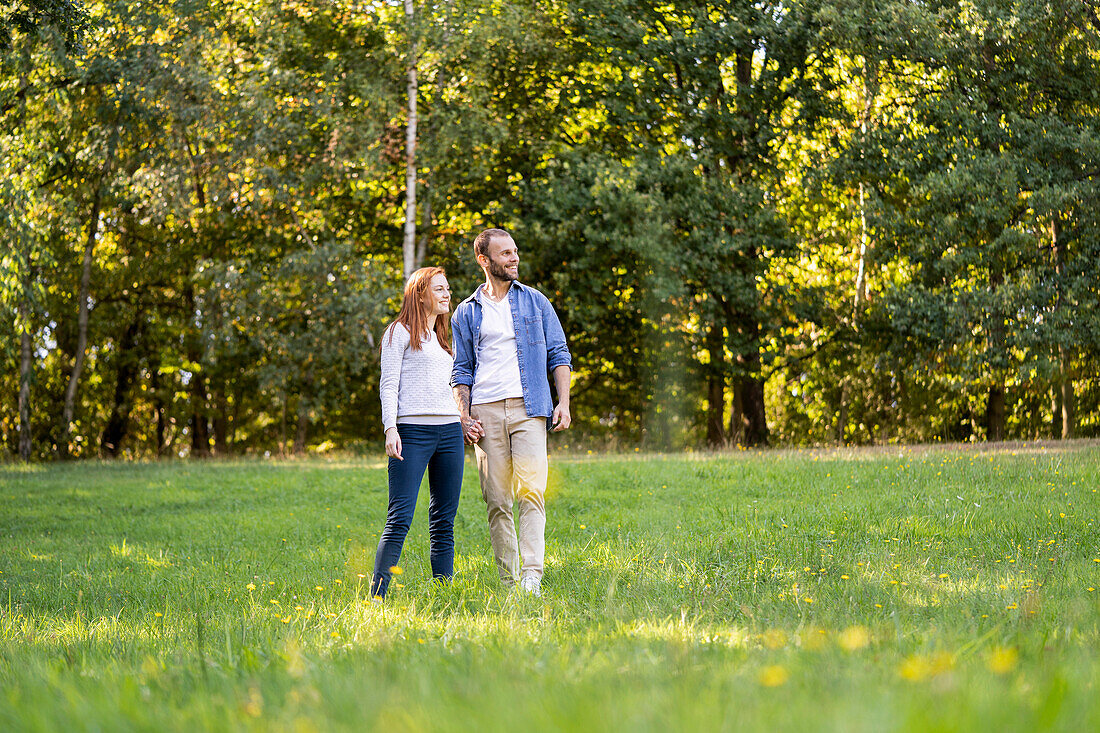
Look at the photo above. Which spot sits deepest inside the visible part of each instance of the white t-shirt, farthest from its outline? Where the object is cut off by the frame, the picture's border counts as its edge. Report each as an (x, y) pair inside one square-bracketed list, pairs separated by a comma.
[(496, 376)]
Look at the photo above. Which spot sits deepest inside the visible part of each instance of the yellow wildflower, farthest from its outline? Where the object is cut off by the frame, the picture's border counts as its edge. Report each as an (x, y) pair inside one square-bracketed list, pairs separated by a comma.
[(915, 668), (854, 637), (774, 676)]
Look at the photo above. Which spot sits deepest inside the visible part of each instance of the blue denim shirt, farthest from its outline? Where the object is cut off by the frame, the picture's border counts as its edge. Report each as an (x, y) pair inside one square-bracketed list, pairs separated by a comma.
[(540, 345)]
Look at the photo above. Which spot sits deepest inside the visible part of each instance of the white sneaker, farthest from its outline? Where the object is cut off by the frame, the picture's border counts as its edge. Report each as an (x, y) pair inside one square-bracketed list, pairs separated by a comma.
[(531, 584)]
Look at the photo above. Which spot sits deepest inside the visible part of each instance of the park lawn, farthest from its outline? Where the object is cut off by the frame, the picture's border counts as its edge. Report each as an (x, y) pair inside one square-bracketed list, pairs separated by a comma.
[(890, 589)]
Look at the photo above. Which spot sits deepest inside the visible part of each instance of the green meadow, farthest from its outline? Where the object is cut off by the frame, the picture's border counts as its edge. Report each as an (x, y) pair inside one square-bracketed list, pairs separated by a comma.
[(953, 588)]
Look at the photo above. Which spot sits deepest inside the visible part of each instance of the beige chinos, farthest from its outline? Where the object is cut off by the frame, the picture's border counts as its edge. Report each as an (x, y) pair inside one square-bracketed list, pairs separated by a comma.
[(512, 464)]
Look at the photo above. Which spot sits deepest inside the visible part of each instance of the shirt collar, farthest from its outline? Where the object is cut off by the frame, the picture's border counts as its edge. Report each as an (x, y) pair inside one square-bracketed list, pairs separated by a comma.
[(477, 291)]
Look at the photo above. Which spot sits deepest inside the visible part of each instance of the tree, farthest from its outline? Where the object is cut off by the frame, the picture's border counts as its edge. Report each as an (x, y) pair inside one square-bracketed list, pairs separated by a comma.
[(37, 38), (969, 217)]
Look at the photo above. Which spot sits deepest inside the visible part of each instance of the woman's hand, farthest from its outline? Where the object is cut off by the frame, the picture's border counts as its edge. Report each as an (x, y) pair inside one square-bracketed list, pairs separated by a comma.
[(393, 444), (472, 430)]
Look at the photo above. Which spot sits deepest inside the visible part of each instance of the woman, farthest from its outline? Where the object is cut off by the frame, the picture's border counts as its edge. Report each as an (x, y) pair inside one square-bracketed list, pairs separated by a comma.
[(422, 424)]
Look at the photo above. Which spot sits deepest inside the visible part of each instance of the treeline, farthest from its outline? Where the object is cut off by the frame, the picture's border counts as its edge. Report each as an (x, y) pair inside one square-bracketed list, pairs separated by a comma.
[(808, 222)]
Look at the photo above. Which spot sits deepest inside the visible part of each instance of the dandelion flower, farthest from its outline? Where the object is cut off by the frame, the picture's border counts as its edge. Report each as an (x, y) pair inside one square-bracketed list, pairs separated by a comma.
[(915, 668), (396, 570), (854, 638), (251, 586), (774, 676)]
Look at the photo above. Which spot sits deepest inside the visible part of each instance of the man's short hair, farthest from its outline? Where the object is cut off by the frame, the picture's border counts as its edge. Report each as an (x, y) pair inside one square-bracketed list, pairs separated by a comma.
[(481, 241)]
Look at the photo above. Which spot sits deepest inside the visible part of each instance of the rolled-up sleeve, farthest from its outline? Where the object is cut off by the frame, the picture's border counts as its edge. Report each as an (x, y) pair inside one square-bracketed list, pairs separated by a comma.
[(557, 349), (463, 371)]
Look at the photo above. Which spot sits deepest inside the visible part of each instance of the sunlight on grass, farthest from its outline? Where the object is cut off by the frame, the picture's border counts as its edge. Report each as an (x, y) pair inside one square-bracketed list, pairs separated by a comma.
[(680, 592), (684, 632)]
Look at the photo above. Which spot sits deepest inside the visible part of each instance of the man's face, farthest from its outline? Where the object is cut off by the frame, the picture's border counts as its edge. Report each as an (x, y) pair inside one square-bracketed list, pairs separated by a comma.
[(502, 260)]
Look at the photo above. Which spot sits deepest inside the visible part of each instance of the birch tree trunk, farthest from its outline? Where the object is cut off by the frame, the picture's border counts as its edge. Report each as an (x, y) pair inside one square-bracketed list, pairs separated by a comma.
[(409, 250), (870, 92)]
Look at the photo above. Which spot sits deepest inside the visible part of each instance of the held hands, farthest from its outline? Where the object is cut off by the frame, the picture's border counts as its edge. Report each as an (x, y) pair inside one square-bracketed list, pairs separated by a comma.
[(561, 419), (393, 444), (472, 430)]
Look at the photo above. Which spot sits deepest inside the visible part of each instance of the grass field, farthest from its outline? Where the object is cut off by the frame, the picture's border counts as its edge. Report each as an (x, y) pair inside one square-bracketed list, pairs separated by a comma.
[(923, 589)]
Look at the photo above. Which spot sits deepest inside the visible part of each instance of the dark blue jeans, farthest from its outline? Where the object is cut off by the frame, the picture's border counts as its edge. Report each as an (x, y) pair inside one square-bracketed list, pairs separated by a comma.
[(441, 450)]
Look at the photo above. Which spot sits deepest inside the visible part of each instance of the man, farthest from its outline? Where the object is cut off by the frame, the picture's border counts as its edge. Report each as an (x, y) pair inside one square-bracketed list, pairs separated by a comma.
[(508, 341)]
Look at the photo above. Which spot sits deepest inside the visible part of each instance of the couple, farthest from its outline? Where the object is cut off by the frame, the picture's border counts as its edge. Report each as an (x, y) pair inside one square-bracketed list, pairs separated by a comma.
[(489, 387)]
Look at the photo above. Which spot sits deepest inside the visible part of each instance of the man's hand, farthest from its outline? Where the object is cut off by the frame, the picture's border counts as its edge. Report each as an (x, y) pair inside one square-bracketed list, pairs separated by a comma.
[(561, 419), (472, 430), (393, 444)]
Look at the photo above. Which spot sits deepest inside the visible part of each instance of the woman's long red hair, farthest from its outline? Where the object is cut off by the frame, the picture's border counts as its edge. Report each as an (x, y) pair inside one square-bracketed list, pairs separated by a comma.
[(416, 305)]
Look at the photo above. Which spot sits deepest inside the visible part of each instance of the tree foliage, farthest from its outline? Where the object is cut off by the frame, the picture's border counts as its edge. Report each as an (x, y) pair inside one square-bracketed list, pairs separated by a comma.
[(797, 223)]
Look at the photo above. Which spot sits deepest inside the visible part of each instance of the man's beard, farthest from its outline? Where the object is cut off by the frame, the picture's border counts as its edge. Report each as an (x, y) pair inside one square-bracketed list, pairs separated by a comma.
[(497, 270)]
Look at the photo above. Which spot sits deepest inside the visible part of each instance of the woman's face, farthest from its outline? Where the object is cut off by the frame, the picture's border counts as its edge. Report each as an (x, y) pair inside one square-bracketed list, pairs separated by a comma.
[(439, 296)]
